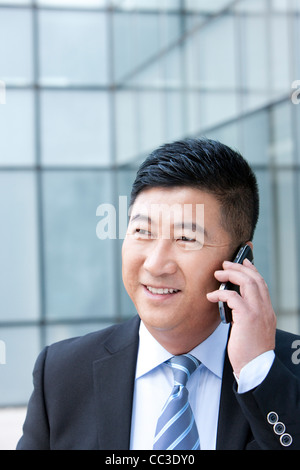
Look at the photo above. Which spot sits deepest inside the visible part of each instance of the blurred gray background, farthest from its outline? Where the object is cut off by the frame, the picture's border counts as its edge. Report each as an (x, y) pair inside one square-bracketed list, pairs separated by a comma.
[(91, 87)]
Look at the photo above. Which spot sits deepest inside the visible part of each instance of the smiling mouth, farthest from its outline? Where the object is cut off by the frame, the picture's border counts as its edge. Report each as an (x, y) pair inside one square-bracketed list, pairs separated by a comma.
[(161, 290)]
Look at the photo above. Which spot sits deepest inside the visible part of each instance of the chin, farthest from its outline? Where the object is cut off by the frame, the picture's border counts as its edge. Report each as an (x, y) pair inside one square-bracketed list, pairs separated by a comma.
[(158, 320)]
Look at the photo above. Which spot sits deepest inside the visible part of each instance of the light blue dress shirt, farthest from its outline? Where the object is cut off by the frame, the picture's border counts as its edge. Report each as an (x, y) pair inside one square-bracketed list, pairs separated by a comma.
[(154, 382)]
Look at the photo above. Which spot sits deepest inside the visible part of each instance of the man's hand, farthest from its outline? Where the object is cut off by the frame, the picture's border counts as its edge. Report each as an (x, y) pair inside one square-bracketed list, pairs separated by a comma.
[(253, 318)]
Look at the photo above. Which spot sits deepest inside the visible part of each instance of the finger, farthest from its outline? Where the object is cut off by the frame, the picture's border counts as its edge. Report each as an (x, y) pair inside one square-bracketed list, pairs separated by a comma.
[(232, 298), (250, 265), (236, 277), (247, 266), (252, 280)]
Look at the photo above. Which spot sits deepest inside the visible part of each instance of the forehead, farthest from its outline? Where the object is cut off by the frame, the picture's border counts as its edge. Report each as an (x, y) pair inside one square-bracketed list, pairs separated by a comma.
[(177, 195)]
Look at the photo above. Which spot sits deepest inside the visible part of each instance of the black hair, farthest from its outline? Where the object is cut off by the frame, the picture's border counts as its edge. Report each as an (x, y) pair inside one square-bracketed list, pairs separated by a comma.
[(212, 167)]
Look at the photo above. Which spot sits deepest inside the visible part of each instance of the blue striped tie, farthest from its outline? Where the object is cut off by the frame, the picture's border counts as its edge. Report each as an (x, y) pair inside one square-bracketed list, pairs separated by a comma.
[(176, 428)]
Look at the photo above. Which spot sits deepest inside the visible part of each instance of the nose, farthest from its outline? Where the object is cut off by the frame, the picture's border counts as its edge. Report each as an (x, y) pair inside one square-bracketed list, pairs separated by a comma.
[(159, 260)]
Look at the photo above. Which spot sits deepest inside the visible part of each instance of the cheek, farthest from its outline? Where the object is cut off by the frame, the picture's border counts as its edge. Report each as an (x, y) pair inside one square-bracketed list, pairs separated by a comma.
[(130, 266), (201, 277)]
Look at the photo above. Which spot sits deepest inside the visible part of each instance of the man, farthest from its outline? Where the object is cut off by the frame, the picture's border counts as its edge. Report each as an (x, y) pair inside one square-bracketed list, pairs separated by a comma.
[(107, 390)]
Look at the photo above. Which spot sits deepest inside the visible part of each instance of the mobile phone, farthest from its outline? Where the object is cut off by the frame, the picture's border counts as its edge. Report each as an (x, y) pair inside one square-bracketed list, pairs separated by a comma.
[(225, 312)]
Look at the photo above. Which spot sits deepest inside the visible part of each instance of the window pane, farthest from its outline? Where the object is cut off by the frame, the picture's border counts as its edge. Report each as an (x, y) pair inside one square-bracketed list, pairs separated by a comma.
[(211, 55), (288, 283), (73, 48), (206, 6), (263, 237), (209, 110), (169, 29), (255, 136), (79, 266), (74, 3), (125, 44), (16, 46), (152, 122), (295, 47), (127, 126), (282, 145), (146, 4), (252, 6), (136, 40), (217, 108), (16, 2), (296, 126), (228, 135), (148, 37), (255, 76), (17, 145), (281, 5), (175, 119), (75, 128), (280, 54), (22, 348), (149, 76), (19, 278), (294, 5), (173, 63), (192, 100), (166, 70)]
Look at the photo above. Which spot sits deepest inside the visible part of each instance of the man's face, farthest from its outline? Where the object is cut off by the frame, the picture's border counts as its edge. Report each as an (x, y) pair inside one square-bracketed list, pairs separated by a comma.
[(169, 258)]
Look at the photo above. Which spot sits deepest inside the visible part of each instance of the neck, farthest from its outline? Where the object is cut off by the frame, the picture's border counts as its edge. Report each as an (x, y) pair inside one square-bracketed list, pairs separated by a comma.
[(177, 343)]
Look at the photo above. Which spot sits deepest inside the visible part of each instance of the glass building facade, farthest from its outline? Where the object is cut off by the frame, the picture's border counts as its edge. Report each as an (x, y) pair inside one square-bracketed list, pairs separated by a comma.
[(88, 89)]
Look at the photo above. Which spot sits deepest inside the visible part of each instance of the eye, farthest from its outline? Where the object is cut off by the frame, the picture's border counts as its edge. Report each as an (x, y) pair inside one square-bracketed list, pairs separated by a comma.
[(142, 233), (188, 243), (186, 239)]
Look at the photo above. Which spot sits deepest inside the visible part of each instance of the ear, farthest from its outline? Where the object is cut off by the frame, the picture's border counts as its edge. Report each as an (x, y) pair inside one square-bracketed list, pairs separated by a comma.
[(250, 244)]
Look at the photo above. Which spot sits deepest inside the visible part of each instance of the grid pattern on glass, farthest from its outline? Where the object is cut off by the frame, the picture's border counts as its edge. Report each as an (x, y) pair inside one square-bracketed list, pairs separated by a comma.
[(93, 86), (19, 277), (61, 33), (79, 267), (75, 128), (16, 48)]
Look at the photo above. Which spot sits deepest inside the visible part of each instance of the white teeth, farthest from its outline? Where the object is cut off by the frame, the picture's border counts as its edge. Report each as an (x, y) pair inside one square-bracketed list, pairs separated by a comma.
[(161, 290)]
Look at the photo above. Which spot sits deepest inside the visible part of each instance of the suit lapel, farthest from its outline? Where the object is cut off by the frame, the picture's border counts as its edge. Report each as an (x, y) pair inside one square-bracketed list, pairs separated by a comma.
[(233, 429), (114, 376)]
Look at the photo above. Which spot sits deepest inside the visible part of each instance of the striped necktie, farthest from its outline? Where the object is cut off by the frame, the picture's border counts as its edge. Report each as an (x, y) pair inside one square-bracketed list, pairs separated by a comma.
[(176, 428)]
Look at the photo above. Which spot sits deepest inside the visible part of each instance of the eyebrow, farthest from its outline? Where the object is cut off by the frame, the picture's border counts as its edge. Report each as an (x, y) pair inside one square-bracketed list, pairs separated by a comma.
[(141, 217), (193, 225)]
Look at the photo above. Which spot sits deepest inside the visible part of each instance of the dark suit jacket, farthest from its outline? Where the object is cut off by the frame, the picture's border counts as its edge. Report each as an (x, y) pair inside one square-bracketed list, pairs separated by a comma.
[(83, 390)]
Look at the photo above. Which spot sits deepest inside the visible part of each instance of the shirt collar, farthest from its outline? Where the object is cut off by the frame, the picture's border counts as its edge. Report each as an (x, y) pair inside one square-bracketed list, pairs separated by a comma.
[(210, 352), (150, 354)]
